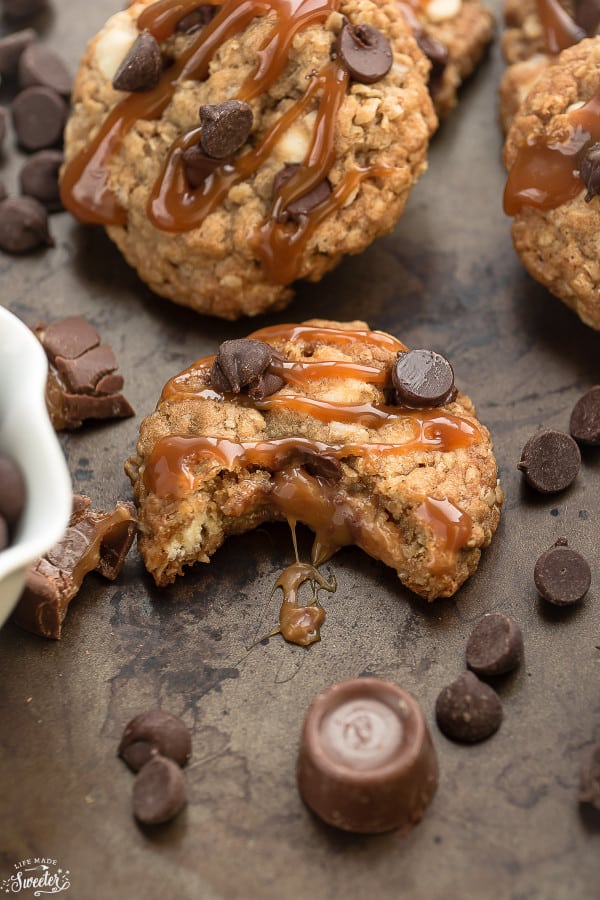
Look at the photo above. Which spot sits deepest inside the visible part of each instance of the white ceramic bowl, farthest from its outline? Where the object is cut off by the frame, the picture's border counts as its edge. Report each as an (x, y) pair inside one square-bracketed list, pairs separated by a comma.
[(27, 435)]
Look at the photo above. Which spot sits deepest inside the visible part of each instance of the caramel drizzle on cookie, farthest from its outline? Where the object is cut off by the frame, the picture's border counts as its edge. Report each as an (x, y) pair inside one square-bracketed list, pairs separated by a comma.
[(560, 29), (545, 175), (174, 206)]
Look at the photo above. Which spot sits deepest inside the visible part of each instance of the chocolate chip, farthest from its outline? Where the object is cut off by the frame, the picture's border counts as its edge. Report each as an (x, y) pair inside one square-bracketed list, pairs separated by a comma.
[(298, 209), (589, 777), (197, 19), (365, 52), (155, 731), (243, 364), (327, 468), (11, 48), (39, 65), (225, 127), (587, 15), (197, 166), (589, 171), (584, 424), (561, 575), (158, 791), (550, 461), (23, 225), (142, 67), (4, 536), (468, 710), (12, 490), (436, 53), (22, 9), (495, 645), (423, 378), (39, 116), (39, 178)]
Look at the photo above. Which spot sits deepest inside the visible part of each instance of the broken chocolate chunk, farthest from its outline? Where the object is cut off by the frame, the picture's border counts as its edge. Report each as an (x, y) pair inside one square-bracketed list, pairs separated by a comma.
[(155, 731), (242, 364), (89, 544), (197, 19), (23, 225), (561, 575), (423, 378), (365, 52), (39, 65), (39, 115), (584, 424), (225, 127), (11, 48), (39, 178), (158, 791), (298, 209), (550, 461), (81, 381), (590, 171), (197, 166), (142, 67)]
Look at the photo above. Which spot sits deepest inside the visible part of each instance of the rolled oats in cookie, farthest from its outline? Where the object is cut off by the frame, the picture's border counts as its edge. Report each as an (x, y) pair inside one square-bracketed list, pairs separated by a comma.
[(551, 186), (326, 445), (184, 174)]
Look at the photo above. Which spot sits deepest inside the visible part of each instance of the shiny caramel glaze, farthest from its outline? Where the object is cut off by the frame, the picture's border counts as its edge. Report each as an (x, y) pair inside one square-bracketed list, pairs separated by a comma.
[(544, 175), (173, 205), (560, 29)]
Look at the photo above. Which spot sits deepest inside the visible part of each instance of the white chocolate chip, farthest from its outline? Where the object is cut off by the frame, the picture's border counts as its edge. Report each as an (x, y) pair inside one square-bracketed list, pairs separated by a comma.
[(440, 10), (293, 146), (113, 44)]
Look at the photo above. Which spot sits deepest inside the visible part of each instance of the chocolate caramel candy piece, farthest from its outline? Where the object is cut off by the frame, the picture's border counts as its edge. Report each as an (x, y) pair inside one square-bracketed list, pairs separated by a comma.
[(365, 52), (23, 225), (225, 127), (423, 378), (561, 575), (550, 461), (367, 763), (158, 791), (584, 424), (22, 9), (297, 210), (39, 178), (39, 116), (40, 65), (467, 710), (155, 731), (495, 645), (11, 48), (197, 19), (243, 365), (12, 490), (94, 540), (142, 66), (589, 777)]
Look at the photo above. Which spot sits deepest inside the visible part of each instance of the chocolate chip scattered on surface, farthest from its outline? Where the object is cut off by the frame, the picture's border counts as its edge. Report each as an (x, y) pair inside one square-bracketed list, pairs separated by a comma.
[(584, 424), (423, 378), (159, 792), (142, 66), (11, 48), (550, 461), (468, 710), (152, 732), (561, 575), (40, 65), (39, 176), (39, 115), (23, 225), (495, 645), (197, 19)]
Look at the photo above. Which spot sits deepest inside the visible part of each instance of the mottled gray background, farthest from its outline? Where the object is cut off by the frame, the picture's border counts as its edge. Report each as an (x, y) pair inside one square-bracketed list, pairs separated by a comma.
[(505, 822)]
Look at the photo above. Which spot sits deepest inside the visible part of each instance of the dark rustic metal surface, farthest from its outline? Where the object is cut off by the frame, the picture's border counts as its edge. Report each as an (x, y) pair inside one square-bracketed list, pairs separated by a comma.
[(505, 822)]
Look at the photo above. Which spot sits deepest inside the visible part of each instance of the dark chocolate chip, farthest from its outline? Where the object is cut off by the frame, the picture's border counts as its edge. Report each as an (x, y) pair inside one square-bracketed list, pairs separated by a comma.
[(550, 461), (155, 731), (142, 67), (68, 338), (158, 791), (585, 418), (4, 536), (12, 490), (197, 166), (561, 575), (436, 53), (39, 178), (39, 65), (242, 364), (39, 116), (197, 19), (327, 468), (298, 209), (11, 48), (22, 9), (587, 15), (365, 52), (589, 776), (423, 378), (468, 710), (225, 127), (23, 225), (589, 171), (495, 645)]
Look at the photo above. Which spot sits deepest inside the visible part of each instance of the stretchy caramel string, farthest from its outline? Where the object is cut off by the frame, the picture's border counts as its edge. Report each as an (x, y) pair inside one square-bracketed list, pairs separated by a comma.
[(174, 206)]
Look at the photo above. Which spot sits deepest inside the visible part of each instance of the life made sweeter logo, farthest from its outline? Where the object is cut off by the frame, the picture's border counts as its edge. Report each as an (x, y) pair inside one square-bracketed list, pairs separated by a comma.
[(38, 876)]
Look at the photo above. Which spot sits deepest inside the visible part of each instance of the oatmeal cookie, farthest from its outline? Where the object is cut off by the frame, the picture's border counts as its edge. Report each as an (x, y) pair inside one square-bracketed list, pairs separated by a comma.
[(232, 149), (329, 424), (454, 35), (552, 154)]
